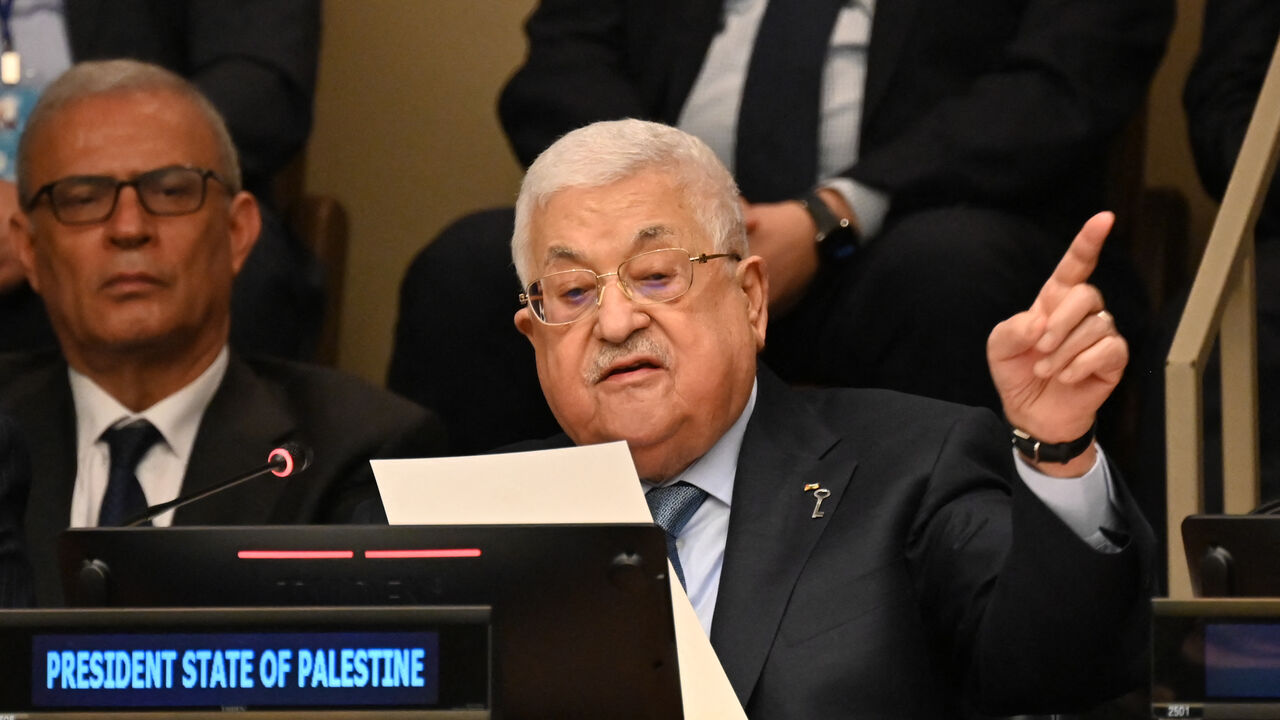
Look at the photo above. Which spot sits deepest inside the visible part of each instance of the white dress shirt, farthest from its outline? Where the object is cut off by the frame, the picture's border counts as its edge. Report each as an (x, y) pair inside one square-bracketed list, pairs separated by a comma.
[(40, 37), (162, 468), (711, 110), (701, 542)]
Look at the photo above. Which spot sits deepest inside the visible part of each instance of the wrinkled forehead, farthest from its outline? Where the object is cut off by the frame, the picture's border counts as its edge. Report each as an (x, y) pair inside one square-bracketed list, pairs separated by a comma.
[(123, 133), (597, 228), (559, 255)]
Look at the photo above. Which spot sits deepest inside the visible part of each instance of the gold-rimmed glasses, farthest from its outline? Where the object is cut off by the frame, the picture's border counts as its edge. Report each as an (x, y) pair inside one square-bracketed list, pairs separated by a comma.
[(656, 276)]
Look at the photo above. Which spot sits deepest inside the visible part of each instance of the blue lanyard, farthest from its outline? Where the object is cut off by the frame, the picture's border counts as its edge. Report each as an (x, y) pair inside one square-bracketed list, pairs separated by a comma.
[(6, 32)]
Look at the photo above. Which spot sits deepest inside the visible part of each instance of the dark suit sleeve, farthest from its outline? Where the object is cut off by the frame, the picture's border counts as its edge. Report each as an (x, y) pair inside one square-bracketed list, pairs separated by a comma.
[(15, 478), (1038, 620), (257, 63), (1238, 41), (987, 105), (576, 73), (409, 432), (254, 59)]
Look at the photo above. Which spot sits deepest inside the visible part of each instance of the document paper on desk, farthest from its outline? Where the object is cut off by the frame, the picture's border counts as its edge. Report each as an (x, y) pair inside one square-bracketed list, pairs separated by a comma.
[(589, 484)]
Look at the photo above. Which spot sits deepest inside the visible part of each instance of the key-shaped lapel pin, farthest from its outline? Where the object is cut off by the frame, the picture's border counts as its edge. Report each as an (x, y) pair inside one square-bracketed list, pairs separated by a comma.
[(819, 494)]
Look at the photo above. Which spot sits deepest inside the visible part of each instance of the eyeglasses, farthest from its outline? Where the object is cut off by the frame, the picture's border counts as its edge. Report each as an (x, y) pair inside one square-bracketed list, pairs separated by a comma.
[(656, 276), (88, 199)]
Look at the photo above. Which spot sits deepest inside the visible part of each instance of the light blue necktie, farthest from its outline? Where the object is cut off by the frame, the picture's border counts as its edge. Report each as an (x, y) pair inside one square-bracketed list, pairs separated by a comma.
[(672, 506)]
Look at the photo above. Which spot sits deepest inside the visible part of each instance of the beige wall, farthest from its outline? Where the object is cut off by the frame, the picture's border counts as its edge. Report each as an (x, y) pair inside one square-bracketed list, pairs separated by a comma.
[(407, 138), (1169, 161)]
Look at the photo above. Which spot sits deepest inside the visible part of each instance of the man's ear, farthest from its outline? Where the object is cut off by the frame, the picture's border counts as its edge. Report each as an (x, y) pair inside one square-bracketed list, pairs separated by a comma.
[(752, 276), (524, 323), (244, 226), (22, 237)]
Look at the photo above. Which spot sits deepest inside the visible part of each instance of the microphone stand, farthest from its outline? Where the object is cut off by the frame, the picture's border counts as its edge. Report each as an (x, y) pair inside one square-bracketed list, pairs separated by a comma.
[(285, 461)]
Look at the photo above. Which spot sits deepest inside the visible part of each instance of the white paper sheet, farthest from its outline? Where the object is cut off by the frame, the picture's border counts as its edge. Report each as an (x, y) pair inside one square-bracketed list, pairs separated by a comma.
[(589, 484)]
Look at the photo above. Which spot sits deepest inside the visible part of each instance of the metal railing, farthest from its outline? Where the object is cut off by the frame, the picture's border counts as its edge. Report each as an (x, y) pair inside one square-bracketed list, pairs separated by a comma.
[(1223, 305)]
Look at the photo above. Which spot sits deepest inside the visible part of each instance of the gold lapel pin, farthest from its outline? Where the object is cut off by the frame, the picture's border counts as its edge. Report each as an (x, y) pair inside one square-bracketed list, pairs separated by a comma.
[(819, 494)]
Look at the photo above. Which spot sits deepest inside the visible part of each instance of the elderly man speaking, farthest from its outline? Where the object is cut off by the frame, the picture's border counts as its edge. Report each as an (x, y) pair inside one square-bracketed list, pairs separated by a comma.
[(852, 553)]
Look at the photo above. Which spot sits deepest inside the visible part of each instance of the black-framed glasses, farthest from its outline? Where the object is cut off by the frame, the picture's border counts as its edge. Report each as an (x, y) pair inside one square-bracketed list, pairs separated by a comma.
[(88, 199), (656, 276)]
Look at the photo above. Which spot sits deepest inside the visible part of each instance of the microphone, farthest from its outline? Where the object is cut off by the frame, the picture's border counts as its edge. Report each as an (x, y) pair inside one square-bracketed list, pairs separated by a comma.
[(288, 459)]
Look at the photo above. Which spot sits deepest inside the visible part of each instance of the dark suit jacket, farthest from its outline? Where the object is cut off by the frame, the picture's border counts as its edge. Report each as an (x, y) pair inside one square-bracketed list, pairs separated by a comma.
[(997, 103), (259, 404), (935, 580), (256, 61), (15, 479)]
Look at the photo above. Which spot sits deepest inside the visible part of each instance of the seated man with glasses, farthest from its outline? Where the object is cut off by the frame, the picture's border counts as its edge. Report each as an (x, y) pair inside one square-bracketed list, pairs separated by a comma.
[(133, 225), (851, 553)]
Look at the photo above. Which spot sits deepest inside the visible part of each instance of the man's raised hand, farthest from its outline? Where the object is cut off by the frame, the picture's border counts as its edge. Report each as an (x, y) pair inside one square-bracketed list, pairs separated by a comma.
[(1055, 363)]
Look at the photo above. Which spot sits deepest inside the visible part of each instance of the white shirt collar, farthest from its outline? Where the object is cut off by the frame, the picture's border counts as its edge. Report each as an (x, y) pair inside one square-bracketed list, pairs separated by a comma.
[(177, 416), (714, 471)]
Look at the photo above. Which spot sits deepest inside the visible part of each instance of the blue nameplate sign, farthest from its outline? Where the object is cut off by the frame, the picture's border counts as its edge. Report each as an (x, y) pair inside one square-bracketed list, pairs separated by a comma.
[(244, 659)]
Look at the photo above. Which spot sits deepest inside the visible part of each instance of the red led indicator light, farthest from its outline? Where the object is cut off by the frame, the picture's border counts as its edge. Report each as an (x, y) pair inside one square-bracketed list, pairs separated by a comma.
[(448, 553), (280, 452), (295, 554)]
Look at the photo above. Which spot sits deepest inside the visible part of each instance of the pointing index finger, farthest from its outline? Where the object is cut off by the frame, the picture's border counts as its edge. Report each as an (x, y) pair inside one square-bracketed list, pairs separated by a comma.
[(1078, 263)]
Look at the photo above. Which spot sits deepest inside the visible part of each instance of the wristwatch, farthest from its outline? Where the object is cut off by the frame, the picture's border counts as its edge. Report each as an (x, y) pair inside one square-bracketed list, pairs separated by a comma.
[(836, 237), (1036, 451)]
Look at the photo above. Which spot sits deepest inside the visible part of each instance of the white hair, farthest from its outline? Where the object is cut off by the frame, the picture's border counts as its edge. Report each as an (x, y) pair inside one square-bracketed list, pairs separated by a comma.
[(606, 152), (114, 77)]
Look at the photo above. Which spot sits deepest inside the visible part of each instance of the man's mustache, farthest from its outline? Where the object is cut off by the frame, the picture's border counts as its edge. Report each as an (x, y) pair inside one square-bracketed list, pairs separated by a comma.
[(636, 344)]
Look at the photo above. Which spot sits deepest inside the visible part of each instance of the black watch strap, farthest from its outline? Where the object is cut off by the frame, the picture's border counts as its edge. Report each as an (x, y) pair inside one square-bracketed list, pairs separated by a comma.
[(1036, 451), (835, 236)]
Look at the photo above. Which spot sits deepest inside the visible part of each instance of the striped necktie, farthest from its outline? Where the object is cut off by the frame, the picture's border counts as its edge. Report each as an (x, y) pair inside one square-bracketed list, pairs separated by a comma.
[(672, 506)]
